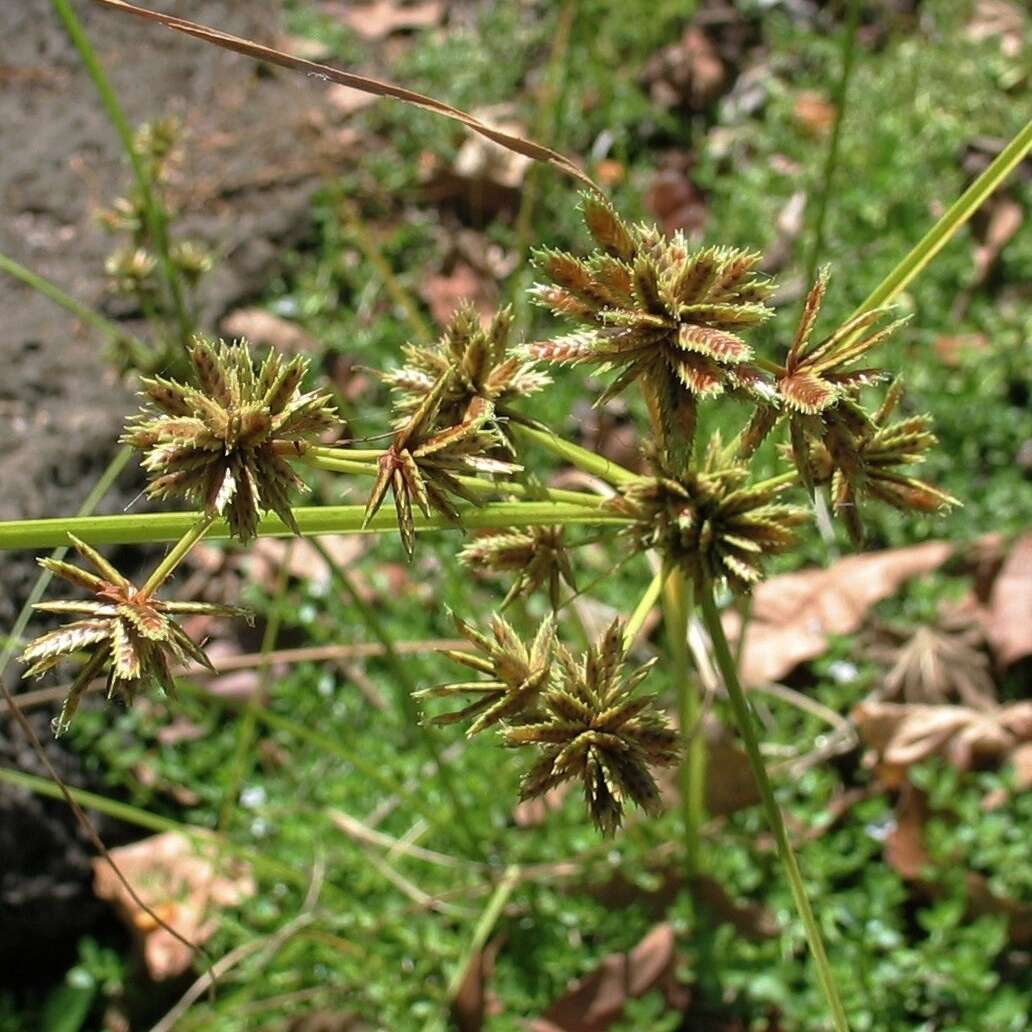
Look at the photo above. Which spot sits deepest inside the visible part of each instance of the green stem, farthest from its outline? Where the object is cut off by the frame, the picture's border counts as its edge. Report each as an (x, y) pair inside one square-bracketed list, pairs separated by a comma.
[(676, 611), (153, 211), (744, 720), (406, 692), (831, 159), (165, 568), (958, 213), (634, 624), (315, 520), (582, 458), (485, 924), (320, 460), (356, 454), (82, 312)]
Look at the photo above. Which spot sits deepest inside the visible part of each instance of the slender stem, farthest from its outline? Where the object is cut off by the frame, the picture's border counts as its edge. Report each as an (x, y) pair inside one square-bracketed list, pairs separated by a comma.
[(641, 611), (314, 520), (956, 215), (103, 484), (406, 691), (582, 458), (744, 720), (676, 611), (486, 488), (82, 312), (153, 211), (356, 454), (164, 569), (485, 924), (831, 159)]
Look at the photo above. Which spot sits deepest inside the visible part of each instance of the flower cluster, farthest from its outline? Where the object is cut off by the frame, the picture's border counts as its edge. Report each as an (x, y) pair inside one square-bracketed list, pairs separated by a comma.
[(478, 362), (582, 715), (129, 632), (224, 444)]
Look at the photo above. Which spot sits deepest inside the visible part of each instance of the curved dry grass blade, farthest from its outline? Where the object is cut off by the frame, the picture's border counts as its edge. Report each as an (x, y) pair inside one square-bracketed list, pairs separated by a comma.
[(376, 87)]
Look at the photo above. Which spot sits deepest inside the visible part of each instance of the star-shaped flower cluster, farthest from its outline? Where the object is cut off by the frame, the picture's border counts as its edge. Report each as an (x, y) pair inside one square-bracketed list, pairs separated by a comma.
[(660, 314), (593, 727), (224, 444), (131, 634)]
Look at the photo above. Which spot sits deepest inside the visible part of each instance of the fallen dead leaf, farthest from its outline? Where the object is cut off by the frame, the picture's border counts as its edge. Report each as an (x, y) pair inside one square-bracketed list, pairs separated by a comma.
[(474, 1001), (901, 734), (794, 614), (267, 555), (346, 101), (1008, 617), (998, 19), (593, 1003), (382, 18), (183, 881), (1005, 219), (267, 330), (688, 73), (955, 351), (444, 293), (814, 113), (675, 202)]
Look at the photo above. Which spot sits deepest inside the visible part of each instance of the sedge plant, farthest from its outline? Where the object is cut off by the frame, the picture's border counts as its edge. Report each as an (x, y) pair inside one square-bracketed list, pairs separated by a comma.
[(651, 314)]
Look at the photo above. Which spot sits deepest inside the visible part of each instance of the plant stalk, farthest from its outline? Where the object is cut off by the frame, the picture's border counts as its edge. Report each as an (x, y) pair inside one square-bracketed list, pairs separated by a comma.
[(692, 775), (583, 458), (744, 719), (313, 520), (182, 548)]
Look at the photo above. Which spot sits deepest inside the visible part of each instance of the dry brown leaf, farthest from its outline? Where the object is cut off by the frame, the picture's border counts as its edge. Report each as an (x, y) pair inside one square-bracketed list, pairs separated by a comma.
[(1008, 617), (267, 330), (304, 563), (474, 1001), (901, 734), (955, 351), (794, 614), (444, 293), (346, 101), (510, 141), (184, 882), (593, 1003), (1005, 219), (814, 113), (688, 73), (992, 19), (675, 201), (381, 18)]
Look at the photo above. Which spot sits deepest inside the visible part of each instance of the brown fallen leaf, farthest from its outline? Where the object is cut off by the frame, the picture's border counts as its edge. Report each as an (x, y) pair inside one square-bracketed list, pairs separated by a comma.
[(380, 18), (793, 615), (676, 202), (901, 734), (906, 853), (474, 1000), (956, 351), (593, 1003), (445, 292), (814, 113), (1005, 217), (303, 561), (1008, 617), (936, 665), (267, 330), (185, 881), (1002, 20), (687, 74)]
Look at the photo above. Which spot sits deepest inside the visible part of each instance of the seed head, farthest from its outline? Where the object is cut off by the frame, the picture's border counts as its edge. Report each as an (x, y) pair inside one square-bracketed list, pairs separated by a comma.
[(593, 727), (537, 554), (657, 313), (426, 460), (131, 634), (862, 462), (711, 521), (516, 673), (481, 364), (224, 444)]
